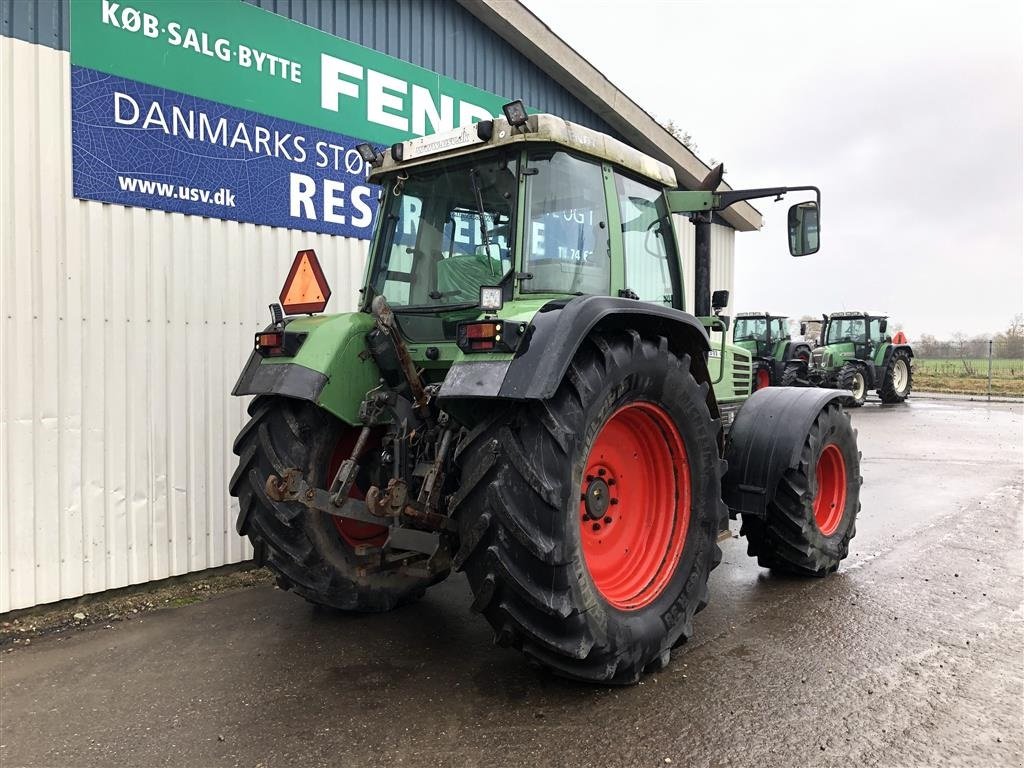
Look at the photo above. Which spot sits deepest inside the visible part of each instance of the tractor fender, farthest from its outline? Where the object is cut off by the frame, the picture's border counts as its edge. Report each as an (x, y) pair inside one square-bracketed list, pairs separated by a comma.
[(555, 333), (331, 367), (766, 439), (791, 349)]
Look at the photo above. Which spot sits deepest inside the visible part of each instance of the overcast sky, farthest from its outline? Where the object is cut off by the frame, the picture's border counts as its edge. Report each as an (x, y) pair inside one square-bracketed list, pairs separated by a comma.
[(908, 116)]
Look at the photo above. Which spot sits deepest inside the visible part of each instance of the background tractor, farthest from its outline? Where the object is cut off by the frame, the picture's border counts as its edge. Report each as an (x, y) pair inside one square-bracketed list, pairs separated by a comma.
[(523, 396), (777, 359), (856, 352)]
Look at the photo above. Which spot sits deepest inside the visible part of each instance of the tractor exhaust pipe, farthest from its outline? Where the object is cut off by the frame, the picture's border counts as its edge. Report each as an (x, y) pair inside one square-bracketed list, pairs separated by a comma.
[(702, 264), (702, 247)]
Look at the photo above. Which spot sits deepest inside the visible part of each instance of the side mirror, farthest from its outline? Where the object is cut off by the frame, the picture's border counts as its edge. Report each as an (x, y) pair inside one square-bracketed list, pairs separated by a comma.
[(719, 301), (803, 229), (882, 326), (803, 329)]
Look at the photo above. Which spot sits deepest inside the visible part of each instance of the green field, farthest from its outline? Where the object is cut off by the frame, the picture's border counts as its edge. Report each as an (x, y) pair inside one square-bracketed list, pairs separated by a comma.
[(969, 376)]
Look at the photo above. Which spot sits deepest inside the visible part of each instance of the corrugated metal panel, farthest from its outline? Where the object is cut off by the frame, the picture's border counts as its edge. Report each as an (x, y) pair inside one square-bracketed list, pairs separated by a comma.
[(123, 332), (437, 34)]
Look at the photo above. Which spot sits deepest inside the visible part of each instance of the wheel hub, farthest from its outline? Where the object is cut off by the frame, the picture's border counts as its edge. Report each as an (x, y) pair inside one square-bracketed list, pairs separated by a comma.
[(597, 500), (634, 505)]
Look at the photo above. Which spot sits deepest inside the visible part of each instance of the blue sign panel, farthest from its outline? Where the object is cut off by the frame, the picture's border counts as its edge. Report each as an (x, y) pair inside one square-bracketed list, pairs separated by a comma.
[(140, 145)]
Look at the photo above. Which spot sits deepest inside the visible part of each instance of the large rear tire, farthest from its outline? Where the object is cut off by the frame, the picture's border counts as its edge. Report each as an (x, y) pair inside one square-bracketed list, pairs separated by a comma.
[(852, 378), (592, 528), (898, 378), (794, 374), (311, 553), (809, 523)]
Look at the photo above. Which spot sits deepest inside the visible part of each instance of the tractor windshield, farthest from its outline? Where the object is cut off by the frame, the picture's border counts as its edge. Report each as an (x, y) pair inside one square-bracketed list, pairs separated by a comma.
[(841, 329), (447, 232), (751, 328)]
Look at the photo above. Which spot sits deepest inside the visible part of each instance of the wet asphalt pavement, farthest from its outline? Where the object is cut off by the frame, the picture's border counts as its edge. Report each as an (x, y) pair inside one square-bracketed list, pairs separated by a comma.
[(912, 655)]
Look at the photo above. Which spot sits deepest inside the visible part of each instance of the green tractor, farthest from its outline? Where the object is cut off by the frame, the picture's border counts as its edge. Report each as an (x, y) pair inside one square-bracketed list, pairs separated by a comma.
[(857, 353), (778, 361), (523, 396)]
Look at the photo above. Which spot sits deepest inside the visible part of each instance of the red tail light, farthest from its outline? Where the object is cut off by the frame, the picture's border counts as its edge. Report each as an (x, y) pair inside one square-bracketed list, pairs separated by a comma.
[(489, 335)]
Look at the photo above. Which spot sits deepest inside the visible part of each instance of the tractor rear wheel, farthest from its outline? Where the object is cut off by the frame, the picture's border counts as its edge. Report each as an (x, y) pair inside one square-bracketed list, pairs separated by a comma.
[(809, 523), (312, 553), (851, 378), (793, 374), (897, 379), (591, 529), (762, 376)]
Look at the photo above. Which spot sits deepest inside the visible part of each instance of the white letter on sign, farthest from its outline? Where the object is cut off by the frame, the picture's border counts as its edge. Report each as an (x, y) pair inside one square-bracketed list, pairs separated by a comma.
[(378, 100), (331, 84), (302, 190), (119, 99)]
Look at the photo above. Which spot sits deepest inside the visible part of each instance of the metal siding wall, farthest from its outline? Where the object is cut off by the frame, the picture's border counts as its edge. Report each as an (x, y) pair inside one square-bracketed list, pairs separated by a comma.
[(723, 259), (437, 34), (123, 332)]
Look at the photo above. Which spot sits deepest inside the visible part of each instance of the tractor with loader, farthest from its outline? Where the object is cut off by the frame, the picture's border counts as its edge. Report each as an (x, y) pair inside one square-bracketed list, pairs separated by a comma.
[(778, 361), (523, 396), (856, 353)]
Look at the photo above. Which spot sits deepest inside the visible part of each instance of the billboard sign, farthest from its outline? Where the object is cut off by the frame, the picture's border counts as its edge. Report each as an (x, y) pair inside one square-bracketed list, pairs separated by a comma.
[(225, 110)]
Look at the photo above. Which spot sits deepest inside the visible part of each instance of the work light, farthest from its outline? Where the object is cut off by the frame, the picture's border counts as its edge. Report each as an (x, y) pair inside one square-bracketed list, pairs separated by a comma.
[(369, 154), (515, 113), (491, 298)]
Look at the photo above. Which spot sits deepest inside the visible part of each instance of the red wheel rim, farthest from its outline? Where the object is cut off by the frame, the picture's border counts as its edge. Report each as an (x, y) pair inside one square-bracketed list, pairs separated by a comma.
[(632, 549), (763, 379), (830, 499), (354, 532)]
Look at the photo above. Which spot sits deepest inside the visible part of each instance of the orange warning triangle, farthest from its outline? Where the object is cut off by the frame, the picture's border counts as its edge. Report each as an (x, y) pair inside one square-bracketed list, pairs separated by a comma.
[(306, 289)]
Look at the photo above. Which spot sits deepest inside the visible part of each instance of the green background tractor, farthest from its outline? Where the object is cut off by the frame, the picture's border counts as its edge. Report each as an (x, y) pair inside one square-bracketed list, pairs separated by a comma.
[(856, 352), (778, 360), (523, 396)]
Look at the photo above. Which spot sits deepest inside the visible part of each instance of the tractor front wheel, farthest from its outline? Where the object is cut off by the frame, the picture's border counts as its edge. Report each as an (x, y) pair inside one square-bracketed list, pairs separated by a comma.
[(762, 376), (590, 532), (897, 379), (852, 378), (808, 525), (312, 554), (794, 374)]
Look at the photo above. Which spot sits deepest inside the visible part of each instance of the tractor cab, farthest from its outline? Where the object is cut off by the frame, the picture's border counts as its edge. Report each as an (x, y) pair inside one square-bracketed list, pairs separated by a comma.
[(760, 332), (856, 335)]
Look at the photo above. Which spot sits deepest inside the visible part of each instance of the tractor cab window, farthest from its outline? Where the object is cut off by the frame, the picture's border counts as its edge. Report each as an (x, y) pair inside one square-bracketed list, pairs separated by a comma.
[(876, 329), (566, 228), (646, 242), (779, 329), (842, 329), (448, 232), (750, 329)]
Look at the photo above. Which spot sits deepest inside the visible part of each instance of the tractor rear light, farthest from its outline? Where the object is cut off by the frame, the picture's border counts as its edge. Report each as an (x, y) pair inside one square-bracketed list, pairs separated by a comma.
[(482, 330), (276, 343), (270, 340), (489, 335)]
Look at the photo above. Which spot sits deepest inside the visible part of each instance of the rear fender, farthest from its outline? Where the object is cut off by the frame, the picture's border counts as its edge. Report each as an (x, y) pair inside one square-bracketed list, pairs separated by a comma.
[(331, 368), (766, 439), (556, 332)]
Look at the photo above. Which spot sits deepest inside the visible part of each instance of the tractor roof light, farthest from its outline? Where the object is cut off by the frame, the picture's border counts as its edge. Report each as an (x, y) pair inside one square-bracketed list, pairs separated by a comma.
[(370, 155), (515, 113), (305, 289)]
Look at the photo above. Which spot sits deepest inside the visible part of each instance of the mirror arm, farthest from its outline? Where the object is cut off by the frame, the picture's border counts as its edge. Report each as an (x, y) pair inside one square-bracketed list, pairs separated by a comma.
[(730, 197)]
